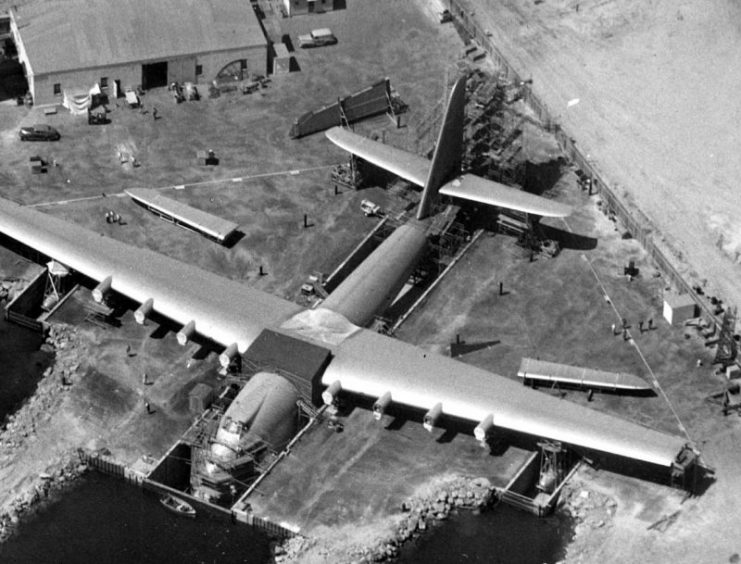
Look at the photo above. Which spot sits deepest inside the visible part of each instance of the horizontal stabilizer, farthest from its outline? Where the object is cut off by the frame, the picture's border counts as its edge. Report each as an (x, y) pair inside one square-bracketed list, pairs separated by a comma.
[(477, 189), (407, 165)]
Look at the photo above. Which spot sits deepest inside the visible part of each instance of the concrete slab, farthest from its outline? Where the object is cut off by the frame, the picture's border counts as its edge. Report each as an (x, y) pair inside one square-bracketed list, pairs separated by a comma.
[(365, 472)]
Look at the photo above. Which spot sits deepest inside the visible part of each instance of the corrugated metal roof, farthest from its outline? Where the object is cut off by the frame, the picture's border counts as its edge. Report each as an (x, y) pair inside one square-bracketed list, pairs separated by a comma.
[(200, 220), (61, 35)]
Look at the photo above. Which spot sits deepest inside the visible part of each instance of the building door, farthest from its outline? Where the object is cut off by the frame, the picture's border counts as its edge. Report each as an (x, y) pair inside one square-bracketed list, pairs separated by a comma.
[(154, 75), (311, 6)]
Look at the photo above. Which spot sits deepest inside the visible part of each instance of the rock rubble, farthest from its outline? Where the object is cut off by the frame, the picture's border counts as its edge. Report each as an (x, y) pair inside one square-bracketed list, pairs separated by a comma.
[(20, 428), (416, 515)]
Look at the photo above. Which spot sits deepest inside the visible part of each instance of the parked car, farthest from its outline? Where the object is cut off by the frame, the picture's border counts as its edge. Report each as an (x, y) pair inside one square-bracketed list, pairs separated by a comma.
[(40, 132), (317, 38)]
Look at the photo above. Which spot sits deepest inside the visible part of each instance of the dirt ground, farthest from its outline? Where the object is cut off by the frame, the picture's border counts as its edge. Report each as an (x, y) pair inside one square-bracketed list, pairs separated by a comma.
[(649, 91)]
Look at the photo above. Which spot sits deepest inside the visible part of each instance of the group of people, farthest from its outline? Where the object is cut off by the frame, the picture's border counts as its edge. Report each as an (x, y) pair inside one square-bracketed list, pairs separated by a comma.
[(112, 217), (642, 326)]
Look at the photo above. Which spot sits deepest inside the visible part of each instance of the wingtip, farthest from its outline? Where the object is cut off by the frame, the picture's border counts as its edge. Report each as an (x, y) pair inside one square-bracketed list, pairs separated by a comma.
[(331, 133), (560, 210), (567, 211)]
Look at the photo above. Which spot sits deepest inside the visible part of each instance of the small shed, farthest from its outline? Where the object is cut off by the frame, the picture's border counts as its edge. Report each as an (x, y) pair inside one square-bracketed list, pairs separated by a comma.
[(200, 398), (282, 60), (678, 308)]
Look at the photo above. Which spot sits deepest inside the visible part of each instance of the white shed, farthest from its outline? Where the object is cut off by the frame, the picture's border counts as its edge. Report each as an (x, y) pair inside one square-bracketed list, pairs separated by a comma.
[(678, 308)]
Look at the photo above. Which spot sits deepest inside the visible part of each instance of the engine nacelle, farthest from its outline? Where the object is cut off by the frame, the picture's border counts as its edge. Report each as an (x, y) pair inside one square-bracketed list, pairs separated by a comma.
[(484, 429), (379, 408), (330, 394), (186, 333), (144, 311), (102, 289), (226, 357), (432, 417)]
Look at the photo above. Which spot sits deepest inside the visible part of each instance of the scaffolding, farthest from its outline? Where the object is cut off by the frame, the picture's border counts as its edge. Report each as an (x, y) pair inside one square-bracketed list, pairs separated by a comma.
[(727, 346), (554, 466), (56, 283)]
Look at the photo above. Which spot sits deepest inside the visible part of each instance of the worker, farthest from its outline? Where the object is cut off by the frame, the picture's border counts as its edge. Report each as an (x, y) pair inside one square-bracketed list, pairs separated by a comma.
[(148, 407), (650, 323), (154, 112), (699, 362), (613, 328), (640, 326)]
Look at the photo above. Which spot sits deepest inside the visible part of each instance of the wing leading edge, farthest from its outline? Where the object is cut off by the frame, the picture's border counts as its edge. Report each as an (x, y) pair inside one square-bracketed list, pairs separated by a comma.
[(223, 310), (407, 165), (477, 189)]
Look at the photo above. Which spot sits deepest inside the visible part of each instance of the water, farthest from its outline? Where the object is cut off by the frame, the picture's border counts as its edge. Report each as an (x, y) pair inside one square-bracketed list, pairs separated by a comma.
[(503, 535), (107, 520), (22, 365)]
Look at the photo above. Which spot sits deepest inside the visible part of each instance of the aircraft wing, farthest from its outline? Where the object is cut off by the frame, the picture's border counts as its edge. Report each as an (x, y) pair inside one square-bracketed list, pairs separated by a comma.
[(374, 365), (471, 187), (407, 165), (222, 310), (363, 362)]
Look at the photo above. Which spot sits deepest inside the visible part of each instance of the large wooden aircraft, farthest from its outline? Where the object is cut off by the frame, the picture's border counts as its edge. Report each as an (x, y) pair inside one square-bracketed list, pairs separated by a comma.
[(378, 280), (361, 361)]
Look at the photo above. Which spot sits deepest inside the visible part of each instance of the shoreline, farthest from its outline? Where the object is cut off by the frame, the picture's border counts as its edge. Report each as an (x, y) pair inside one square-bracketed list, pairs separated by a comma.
[(23, 426), (47, 489), (382, 539)]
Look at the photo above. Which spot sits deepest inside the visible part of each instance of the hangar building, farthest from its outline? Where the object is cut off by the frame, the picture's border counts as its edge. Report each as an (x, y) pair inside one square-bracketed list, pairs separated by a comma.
[(75, 44)]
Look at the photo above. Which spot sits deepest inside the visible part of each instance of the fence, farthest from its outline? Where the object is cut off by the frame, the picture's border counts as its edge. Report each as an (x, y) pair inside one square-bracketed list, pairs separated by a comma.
[(272, 529), (635, 222), (107, 466)]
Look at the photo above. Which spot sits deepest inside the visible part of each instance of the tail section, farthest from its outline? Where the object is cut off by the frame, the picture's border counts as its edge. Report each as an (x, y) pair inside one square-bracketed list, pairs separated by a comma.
[(447, 158)]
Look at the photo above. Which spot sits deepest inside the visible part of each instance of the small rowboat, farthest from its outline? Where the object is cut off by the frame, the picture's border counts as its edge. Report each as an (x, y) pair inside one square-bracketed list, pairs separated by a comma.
[(178, 506)]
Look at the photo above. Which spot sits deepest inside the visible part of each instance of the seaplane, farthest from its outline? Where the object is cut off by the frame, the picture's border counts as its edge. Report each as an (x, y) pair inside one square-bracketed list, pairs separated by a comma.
[(361, 362)]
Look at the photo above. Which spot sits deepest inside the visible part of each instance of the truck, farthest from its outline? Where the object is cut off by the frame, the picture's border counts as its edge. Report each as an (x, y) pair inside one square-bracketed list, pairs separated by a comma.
[(369, 208), (317, 38)]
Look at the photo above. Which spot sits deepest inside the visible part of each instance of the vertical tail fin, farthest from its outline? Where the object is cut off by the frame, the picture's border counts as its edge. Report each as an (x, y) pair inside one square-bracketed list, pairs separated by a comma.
[(447, 157)]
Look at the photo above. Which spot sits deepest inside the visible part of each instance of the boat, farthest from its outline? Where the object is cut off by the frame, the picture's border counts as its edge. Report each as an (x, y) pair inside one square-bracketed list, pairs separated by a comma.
[(177, 505)]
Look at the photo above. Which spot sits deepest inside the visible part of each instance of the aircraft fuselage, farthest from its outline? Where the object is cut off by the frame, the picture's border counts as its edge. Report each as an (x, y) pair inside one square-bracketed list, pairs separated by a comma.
[(372, 287)]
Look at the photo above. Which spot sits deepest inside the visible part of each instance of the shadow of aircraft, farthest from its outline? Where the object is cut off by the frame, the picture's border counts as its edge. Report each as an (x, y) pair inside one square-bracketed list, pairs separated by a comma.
[(462, 347), (568, 240)]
